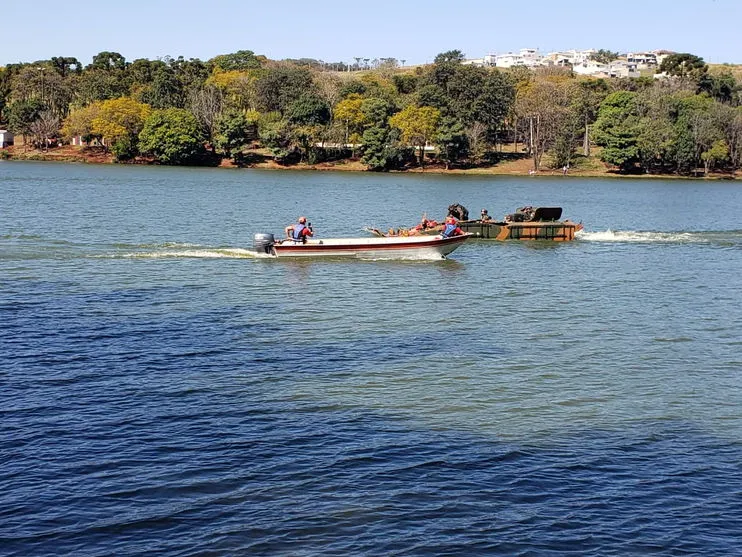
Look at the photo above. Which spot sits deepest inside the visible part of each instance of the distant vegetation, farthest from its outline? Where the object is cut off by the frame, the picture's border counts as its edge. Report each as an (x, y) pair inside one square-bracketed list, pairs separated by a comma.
[(178, 111)]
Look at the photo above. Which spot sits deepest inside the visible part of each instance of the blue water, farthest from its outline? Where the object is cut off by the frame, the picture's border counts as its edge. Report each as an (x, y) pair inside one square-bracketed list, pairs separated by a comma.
[(163, 392)]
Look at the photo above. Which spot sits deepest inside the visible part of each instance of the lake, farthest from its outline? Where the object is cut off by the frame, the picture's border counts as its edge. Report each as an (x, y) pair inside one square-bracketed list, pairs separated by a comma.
[(165, 393)]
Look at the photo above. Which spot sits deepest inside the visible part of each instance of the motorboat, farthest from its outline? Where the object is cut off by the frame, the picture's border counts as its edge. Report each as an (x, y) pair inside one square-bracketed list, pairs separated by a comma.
[(396, 247), (527, 223)]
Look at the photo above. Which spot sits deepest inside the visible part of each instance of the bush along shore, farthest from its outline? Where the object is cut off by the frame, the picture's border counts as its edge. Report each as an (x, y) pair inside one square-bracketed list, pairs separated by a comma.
[(244, 110)]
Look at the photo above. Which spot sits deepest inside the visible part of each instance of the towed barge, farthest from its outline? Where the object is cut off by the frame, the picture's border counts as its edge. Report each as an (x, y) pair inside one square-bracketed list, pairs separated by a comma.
[(527, 223)]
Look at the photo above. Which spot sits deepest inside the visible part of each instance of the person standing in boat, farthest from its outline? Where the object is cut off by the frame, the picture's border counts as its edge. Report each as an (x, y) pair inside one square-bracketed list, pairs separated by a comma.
[(299, 231), (451, 227), (484, 217)]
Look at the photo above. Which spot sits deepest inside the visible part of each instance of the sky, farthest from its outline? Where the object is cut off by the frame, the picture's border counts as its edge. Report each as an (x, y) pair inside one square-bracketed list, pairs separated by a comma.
[(334, 31)]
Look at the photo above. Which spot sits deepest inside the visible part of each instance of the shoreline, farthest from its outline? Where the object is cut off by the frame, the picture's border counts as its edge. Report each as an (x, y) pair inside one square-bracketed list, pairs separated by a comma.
[(519, 167)]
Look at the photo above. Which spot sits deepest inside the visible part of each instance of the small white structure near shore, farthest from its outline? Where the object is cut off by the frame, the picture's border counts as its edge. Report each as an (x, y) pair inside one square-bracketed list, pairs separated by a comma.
[(6, 138)]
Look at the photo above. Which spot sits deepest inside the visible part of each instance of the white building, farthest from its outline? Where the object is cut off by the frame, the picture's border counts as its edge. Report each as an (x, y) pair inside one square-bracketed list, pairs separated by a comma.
[(617, 68), (661, 55), (580, 60), (569, 57), (643, 60), (622, 68), (6, 138), (528, 57), (592, 68)]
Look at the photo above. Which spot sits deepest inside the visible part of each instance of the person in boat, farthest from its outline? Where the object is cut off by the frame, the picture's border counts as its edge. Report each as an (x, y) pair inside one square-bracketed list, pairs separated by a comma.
[(451, 227), (300, 231), (425, 224), (484, 216)]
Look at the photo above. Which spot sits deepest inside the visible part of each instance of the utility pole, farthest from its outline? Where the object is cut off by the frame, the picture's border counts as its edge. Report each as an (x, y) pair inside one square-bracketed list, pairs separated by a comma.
[(41, 69)]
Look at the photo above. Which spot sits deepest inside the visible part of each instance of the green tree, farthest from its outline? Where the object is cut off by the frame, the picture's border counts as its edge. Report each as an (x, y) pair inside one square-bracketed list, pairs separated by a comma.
[(281, 86), (729, 120), (434, 96), (452, 141), (99, 85), (418, 126), (21, 114), (308, 109), (165, 89), (655, 136), (108, 61), (191, 73), (544, 104), (139, 72), (4, 91), (567, 131), (381, 149), (684, 65), (276, 136), (493, 103), (405, 83), (718, 152), (172, 135), (604, 56), (616, 129), (468, 94), (696, 130), (455, 56), (43, 83), (66, 65), (233, 131), (240, 60), (586, 101), (377, 112), (723, 87)]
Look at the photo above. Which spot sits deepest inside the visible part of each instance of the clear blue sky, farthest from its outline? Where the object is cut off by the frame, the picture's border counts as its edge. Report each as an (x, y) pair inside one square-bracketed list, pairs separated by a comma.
[(334, 30)]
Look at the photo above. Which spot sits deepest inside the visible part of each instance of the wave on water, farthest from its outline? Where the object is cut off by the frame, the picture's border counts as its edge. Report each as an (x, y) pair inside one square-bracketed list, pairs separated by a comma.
[(190, 251), (725, 238)]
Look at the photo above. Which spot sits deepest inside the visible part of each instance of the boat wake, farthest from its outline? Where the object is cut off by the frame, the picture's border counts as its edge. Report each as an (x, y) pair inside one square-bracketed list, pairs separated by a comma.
[(727, 238), (172, 250)]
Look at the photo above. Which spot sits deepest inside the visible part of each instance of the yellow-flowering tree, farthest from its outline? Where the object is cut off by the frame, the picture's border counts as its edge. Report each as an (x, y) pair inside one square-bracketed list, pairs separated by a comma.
[(418, 125), (119, 122), (349, 111), (238, 87), (79, 122)]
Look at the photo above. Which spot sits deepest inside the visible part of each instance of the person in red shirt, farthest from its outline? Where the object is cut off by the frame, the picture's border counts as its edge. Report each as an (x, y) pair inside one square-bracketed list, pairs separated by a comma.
[(300, 231), (451, 227)]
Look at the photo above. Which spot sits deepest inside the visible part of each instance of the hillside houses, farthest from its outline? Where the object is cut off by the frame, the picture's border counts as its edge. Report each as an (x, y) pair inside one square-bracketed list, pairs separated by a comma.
[(581, 61)]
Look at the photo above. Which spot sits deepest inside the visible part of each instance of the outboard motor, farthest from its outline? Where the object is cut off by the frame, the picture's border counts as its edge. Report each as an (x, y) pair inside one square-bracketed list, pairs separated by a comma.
[(263, 243)]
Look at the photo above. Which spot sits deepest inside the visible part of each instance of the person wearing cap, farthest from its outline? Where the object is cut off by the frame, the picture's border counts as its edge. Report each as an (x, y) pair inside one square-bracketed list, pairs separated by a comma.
[(299, 231), (485, 216)]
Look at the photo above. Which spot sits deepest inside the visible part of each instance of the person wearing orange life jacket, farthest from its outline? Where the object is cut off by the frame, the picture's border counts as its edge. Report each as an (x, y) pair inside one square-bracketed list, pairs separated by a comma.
[(451, 227), (300, 231)]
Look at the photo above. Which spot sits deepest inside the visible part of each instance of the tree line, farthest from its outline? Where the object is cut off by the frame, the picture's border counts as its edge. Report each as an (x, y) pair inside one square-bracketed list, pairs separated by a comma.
[(179, 111)]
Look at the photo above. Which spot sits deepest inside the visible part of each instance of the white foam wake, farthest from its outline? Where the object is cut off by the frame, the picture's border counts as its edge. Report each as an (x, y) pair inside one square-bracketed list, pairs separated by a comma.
[(642, 237), (194, 253)]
